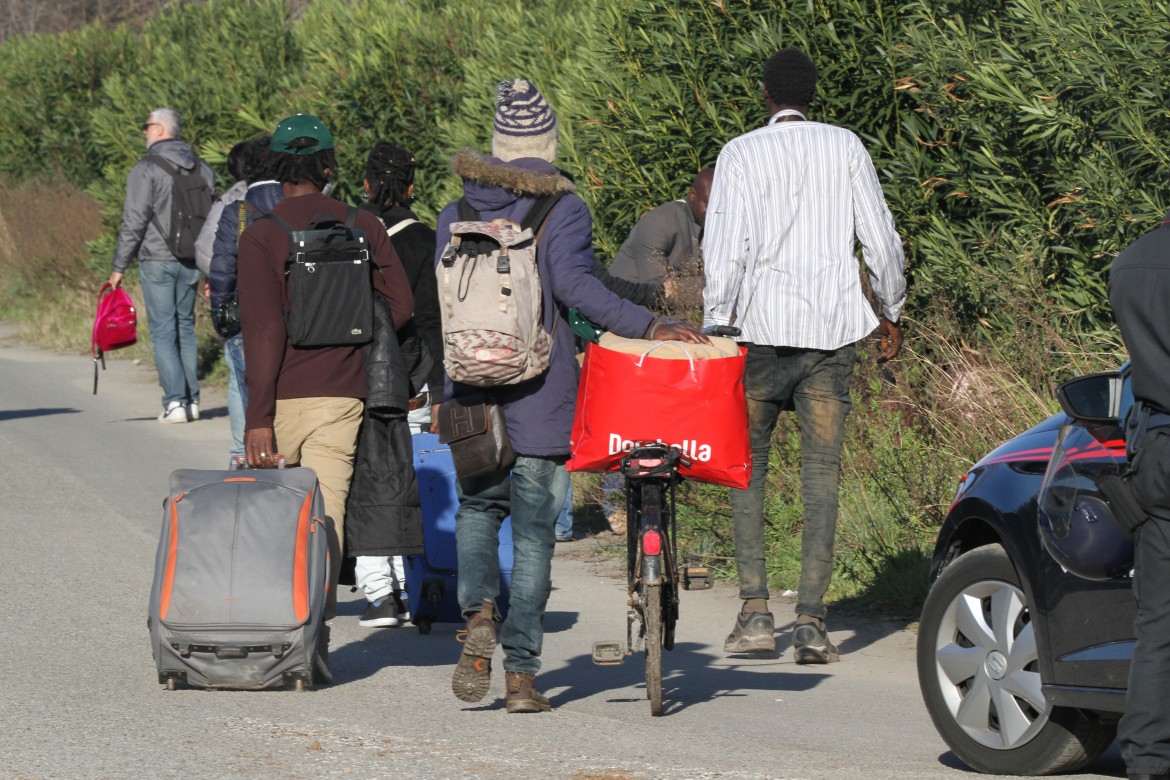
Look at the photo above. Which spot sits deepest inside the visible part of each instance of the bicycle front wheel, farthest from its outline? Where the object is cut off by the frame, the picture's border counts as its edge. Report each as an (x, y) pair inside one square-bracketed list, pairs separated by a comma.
[(652, 609)]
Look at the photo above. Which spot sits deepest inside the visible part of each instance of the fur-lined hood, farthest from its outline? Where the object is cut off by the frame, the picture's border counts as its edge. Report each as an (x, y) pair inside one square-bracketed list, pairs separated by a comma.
[(527, 177)]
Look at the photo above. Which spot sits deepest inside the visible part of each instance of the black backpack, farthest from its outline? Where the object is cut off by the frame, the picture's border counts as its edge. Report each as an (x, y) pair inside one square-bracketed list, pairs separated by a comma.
[(330, 293), (191, 199)]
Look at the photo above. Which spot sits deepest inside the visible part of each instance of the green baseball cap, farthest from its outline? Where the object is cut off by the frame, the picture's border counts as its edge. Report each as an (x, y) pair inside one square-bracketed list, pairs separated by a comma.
[(296, 134)]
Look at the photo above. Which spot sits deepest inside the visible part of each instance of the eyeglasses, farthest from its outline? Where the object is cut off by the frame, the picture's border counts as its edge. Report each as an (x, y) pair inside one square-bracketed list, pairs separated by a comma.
[(146, 126)]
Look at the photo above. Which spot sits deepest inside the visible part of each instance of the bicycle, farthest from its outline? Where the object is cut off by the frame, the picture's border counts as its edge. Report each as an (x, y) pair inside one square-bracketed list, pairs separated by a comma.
[(651, 474), (653, 576)]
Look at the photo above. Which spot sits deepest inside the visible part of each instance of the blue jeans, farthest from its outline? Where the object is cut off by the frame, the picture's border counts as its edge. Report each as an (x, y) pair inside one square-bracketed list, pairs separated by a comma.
[(816, 384), (169, 289), (533, 496), (237, 396), (565, 518)]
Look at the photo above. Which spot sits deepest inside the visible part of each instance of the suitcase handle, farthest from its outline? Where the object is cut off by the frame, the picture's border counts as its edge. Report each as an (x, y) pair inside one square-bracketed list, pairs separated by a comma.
[(240, 462), (231, 651)]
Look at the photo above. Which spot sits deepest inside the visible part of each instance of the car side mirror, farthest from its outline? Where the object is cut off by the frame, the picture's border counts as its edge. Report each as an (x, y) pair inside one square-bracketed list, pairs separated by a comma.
[(1094, 399)]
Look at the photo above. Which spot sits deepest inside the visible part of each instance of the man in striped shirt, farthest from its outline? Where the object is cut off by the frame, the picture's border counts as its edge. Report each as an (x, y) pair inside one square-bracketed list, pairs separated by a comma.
[(788, 201)]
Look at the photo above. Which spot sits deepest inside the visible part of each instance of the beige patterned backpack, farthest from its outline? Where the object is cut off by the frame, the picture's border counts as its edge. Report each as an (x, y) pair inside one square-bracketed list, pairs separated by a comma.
[(491, 299)]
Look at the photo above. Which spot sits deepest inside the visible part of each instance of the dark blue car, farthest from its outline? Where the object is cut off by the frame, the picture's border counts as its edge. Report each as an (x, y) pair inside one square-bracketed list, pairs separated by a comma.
[(1027, 632)]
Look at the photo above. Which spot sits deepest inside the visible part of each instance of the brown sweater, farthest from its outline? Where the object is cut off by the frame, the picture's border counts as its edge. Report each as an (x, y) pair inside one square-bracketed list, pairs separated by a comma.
[(274, 368)]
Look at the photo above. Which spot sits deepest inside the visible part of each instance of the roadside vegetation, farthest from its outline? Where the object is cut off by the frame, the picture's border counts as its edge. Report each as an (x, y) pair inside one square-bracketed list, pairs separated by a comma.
[(1021, 144)]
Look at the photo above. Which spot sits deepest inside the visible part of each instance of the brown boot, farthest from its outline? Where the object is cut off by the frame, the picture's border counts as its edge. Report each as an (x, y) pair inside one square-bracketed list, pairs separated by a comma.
[(473, 673), (522, 695)]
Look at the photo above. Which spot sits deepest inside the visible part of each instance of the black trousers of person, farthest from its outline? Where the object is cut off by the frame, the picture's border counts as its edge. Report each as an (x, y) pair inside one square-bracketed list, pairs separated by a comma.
[(1144, 731)]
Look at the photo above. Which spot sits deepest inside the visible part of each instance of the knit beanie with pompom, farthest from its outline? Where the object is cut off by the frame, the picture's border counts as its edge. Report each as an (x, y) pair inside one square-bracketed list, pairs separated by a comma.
[(525, 125)]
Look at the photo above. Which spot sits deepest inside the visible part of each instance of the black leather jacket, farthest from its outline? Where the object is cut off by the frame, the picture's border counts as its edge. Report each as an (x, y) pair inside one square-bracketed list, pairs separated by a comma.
[(383, 514)]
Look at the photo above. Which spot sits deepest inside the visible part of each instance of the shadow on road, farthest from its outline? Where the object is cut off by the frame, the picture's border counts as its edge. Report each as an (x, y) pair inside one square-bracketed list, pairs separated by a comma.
[(690, 675), (406, 646), (400, 646), (21, 414), (204, 414)]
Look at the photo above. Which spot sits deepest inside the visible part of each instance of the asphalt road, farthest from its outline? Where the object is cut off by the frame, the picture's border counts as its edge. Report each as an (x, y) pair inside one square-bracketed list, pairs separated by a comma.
[(84, 477)]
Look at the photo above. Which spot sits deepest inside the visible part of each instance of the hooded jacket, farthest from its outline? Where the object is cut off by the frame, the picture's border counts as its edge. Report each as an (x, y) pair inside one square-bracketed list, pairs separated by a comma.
[(223, 270), (205, 243), (539, 412), (148, 194)]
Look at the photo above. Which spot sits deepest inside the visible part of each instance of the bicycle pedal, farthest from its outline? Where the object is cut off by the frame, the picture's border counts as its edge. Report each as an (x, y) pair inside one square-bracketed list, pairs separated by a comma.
[(608, 653), (698, 578)]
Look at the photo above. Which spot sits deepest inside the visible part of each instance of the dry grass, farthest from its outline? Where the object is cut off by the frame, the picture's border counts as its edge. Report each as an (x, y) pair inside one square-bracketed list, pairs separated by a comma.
[(44, 227), (49, 282)]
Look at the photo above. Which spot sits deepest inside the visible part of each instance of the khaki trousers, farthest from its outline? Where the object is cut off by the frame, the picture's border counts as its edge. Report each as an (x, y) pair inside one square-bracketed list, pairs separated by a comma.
[(321, 434)]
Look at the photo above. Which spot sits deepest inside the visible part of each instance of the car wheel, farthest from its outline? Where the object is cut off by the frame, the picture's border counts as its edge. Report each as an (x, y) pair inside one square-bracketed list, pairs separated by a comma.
[(978, 671)]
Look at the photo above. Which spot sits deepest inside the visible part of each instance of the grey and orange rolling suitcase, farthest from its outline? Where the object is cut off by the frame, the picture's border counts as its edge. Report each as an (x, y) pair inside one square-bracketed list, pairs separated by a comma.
[(240, 581)]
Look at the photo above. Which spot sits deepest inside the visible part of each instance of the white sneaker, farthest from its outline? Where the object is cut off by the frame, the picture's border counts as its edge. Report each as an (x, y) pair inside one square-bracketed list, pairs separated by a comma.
[(174, 413), (193, 411)]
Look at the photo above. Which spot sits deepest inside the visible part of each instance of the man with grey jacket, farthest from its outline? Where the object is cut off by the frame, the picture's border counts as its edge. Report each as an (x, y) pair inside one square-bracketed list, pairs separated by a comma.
[(660, 265), (169, 285)]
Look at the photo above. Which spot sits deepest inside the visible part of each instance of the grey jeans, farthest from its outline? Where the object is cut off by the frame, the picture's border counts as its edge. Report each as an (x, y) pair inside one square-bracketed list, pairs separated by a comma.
[(815, 384)]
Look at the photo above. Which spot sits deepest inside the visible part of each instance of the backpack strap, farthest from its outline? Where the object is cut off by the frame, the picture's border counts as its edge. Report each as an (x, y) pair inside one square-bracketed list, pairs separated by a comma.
[(246, 207), (172, 171), (163, 163), (466, 212), (400, 226), (288, 231), (536, 220), (280, 221), (539, 212)]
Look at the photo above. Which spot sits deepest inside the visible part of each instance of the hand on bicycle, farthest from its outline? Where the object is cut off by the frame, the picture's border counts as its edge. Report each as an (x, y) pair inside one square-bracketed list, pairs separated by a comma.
[(674, 331)]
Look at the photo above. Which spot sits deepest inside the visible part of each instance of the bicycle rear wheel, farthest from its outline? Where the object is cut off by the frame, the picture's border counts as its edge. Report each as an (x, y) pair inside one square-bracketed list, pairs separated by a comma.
[(652, 609)]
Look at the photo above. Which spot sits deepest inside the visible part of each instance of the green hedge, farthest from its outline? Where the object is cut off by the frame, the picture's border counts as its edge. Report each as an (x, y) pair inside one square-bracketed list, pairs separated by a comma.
[(1021, 144)]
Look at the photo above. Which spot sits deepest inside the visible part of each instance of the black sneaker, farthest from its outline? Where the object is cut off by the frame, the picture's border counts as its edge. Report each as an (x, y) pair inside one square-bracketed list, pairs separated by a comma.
[(811, 645), (380, 614), (400, 601), (753, 633)]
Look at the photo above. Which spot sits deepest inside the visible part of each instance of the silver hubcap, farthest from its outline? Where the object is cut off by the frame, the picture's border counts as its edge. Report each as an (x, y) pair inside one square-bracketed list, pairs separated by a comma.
[(985, 657), (996, 665)]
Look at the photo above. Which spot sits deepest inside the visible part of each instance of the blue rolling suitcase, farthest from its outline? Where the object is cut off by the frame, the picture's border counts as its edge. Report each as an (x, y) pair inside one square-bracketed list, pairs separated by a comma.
[(431, 578)]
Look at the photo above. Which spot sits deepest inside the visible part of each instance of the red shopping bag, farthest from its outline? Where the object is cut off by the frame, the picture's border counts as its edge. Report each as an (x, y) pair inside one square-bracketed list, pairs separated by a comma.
[(697, 405), (114, 327)]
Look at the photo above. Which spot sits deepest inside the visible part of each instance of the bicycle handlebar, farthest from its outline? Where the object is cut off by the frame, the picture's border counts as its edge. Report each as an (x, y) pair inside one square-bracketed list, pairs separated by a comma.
[(721, 330)]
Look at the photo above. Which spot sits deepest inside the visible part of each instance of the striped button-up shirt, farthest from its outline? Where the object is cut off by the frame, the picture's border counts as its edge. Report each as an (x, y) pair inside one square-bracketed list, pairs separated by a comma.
[(786, 203)]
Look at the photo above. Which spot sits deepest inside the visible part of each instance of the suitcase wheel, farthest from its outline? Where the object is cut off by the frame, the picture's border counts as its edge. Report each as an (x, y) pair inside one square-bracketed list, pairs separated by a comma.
[(298, 681), (172, 684), (432, 592), (424, 625)]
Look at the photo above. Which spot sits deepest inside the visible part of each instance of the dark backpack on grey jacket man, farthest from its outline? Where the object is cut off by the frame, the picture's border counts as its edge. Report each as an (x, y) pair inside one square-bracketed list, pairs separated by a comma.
[(191, 200)]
